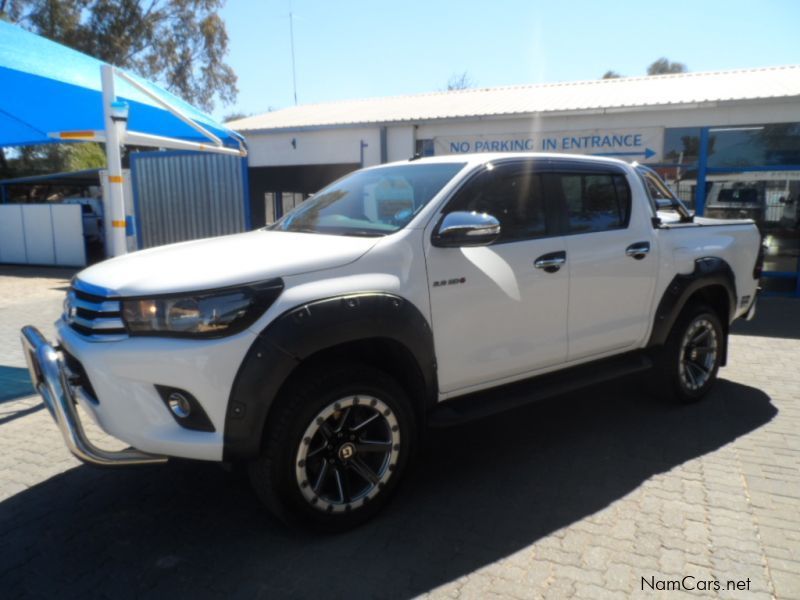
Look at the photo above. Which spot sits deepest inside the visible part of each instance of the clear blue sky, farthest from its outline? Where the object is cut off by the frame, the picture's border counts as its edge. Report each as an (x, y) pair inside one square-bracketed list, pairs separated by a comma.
[(362, 48)]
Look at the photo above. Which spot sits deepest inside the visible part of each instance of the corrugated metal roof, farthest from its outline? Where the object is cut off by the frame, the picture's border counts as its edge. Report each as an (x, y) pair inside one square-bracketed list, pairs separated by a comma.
[(626, 92)]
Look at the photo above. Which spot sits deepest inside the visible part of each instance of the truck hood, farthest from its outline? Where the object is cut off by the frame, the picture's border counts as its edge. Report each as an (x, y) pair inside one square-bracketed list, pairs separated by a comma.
[(223, 261)]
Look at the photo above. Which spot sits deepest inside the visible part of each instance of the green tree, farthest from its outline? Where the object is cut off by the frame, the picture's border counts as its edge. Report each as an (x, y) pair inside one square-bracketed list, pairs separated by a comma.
[(235, 116), (180, 44), (662, 66), (51, 158), (611, 75), (460, 81), (84, 156)]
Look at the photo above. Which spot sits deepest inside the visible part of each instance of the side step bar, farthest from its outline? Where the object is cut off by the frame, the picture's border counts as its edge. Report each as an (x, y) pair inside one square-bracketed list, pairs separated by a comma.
[(507, 397)]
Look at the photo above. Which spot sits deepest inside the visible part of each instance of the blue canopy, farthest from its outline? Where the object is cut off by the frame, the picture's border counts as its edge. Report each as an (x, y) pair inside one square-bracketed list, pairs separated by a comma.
[(46, 87)]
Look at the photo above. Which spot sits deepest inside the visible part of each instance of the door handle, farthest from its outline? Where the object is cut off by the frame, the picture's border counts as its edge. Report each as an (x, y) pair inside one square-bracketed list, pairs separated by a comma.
[(551, 262), (638, 250)]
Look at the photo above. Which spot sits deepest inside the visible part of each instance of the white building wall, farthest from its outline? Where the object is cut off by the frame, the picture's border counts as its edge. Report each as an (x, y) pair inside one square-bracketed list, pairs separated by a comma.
[(336, 145), (690, 116), (400, 141), (314, 147)]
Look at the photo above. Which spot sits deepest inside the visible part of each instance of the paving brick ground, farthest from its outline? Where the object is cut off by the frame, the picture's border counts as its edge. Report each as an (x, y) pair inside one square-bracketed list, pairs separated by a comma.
[(578, 497)]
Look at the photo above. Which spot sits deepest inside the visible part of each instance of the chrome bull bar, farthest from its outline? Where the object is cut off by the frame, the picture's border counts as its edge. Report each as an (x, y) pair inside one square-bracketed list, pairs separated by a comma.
[(49, 377)]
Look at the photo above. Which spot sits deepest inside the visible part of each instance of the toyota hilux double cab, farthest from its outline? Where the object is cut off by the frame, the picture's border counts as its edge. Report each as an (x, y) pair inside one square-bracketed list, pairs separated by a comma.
[(400, 298)]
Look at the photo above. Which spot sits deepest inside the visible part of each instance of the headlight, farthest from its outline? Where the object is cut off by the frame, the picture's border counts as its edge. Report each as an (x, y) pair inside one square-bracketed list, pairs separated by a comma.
[(211, 313)]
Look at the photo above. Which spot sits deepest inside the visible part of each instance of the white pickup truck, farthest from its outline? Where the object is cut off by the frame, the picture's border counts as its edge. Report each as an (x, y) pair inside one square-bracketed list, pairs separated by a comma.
[(400, 297)]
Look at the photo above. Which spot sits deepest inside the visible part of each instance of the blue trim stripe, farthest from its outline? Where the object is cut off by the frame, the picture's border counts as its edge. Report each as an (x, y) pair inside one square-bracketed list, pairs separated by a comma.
[(753, 169), (134, 159), (248, 217), (702, 165)]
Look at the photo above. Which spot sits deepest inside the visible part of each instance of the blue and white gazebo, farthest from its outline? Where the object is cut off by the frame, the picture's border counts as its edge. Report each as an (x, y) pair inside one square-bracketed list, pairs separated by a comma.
[(51, 93)]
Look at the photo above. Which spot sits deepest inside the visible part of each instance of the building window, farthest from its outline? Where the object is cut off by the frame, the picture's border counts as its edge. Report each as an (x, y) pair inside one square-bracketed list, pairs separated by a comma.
[(424, 148), (269, 207), (682, 145), (777, 144), (277, 204), (751, 171)]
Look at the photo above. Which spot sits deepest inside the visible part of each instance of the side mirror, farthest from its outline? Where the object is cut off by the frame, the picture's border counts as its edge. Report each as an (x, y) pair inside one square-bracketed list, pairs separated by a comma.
[(461, 228)]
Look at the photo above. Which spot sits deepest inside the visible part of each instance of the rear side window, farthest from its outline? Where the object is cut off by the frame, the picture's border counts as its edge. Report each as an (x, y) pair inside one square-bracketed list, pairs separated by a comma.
[(594, 202), (660, 196)]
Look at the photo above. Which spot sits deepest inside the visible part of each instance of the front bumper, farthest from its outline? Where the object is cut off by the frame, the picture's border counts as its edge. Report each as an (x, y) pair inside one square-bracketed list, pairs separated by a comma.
[(51, 379)]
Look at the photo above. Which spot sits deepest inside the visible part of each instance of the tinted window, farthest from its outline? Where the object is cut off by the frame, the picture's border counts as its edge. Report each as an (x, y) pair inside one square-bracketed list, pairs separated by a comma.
[(772, 144), (682, 145), (594, 202), (660, 196), (513, 197), (656, 191), (741, 194), (372, 202)]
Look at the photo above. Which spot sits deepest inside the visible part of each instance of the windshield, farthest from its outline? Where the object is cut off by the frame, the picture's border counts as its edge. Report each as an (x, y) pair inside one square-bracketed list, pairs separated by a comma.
[(370, 203)]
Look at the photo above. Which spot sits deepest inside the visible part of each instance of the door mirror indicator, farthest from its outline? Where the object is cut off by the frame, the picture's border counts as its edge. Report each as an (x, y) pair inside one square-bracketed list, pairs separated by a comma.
[(461, 228)]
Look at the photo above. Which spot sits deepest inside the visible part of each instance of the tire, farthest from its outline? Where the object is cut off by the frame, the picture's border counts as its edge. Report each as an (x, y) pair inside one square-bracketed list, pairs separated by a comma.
[(336, 447), (686, 366)]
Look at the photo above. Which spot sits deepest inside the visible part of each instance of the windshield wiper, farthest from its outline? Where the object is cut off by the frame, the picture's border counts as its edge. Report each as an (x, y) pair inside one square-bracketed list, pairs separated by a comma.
[(363, 233)]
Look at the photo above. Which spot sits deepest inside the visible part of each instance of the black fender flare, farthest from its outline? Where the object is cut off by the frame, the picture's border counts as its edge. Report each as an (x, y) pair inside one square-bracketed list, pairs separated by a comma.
[(305, 330), (708, 271)]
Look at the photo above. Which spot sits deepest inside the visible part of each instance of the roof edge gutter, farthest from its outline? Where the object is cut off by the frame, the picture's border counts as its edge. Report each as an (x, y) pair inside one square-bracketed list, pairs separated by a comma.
[(517, 115)]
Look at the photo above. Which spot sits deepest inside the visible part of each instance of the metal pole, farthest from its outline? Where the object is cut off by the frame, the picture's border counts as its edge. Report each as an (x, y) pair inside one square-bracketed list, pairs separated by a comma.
[(174, 110), (291, 38), (114, 204), (702, 166), (384, 148)]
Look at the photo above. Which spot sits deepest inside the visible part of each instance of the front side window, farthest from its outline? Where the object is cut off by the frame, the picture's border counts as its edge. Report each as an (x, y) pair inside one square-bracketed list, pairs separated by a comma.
[(370, 203), (594, 202), (513, 196)]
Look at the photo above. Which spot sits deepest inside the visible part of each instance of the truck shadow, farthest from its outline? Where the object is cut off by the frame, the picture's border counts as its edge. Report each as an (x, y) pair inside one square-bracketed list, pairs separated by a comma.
[(775, 317), (478, 493), (15, 382)]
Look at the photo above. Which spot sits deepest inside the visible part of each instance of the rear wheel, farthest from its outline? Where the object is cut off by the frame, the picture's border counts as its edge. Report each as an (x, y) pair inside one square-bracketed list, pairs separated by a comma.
[(337, 447), (687, 365)]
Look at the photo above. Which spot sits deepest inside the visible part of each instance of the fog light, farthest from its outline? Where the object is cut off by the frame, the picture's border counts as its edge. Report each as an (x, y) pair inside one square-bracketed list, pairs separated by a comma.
[(179, 405), (184, 408)]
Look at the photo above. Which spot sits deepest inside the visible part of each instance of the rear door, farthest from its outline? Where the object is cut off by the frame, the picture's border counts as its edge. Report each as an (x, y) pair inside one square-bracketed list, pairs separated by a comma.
[(495, 313), (612, 260)]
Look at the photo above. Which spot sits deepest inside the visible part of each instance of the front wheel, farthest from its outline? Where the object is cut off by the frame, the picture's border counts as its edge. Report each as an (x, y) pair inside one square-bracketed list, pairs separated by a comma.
[(687, 365), (337, 447)]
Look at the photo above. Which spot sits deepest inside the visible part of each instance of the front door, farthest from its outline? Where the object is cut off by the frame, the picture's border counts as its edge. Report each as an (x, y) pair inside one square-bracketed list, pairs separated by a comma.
[(496, 314)]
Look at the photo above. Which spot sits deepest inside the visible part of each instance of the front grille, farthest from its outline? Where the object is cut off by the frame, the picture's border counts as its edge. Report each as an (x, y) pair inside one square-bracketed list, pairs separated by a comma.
[(93, 315)]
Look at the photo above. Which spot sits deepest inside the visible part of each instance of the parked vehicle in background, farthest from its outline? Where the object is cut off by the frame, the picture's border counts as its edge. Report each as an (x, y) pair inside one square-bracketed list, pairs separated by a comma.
[(92, 212), (410, 295), (737, 200), (789, 202)]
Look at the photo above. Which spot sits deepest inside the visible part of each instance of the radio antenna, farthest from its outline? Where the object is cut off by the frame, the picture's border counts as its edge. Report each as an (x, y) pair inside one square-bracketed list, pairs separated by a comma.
[(291, 38)]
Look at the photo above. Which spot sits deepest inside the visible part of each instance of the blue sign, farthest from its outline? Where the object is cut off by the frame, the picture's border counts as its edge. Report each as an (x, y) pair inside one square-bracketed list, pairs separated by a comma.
[(643, 143)]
